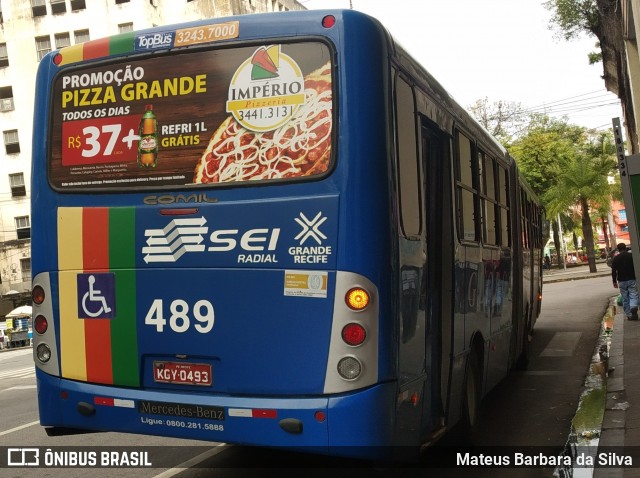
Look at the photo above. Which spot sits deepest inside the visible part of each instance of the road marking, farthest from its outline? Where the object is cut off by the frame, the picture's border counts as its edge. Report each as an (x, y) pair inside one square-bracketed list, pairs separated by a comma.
[(12, 353), (21, 427), (20, 387), (19, 373), (192, 462), (563, 344)]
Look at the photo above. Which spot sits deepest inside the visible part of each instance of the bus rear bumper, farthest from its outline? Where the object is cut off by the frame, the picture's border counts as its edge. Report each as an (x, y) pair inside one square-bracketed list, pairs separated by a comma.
[(355, 424)]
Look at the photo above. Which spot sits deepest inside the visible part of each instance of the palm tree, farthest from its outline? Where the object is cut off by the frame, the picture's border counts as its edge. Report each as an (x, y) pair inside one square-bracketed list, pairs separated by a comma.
[(582, 183)]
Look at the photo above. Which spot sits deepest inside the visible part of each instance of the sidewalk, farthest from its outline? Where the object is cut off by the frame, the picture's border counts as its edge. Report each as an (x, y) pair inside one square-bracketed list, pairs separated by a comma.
[(575, 273), (621, 422)]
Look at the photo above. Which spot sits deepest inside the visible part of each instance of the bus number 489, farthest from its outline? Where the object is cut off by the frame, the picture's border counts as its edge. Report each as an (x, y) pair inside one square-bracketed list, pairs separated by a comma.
[(181, 316)]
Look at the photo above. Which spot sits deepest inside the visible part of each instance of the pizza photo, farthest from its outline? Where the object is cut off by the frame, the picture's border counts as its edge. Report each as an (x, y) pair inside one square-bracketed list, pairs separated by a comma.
[(301, 146)]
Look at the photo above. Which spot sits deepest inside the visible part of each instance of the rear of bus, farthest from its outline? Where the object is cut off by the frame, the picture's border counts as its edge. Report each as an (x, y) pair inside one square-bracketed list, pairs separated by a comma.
[(211, 233)]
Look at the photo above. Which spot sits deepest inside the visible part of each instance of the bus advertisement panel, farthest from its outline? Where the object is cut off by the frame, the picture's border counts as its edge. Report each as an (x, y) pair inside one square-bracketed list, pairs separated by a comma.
[(243, 114)]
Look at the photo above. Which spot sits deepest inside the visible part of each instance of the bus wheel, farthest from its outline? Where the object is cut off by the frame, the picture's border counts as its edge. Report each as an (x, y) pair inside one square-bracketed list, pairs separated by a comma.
[(471, 396), (525, 356)]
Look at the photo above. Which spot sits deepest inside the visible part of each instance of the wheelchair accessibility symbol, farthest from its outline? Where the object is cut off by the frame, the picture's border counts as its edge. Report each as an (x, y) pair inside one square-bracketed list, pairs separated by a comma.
[(96, 296)]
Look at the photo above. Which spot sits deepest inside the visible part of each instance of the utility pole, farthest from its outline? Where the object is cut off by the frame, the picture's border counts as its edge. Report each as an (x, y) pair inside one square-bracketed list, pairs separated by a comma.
[(629, 168)]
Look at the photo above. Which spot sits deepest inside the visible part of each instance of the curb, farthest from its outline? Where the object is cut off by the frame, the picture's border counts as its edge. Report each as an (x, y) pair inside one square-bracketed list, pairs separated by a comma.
[(552, 278), (613, 425)]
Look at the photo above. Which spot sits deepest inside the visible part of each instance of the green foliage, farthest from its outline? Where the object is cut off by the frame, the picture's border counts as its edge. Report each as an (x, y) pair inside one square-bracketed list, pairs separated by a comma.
[(572, 18), (565, 163), (568, 166), (595, 56), (543, 149)]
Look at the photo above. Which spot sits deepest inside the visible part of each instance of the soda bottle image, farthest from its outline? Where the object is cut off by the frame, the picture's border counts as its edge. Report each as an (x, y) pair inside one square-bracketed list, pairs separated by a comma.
[(148, 144)]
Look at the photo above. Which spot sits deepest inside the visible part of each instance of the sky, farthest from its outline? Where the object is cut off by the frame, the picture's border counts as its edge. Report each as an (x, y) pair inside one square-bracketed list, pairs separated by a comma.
[(502, 50)]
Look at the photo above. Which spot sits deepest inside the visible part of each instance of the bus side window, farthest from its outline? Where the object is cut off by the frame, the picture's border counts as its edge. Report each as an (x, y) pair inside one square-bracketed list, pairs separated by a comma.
[(504, 202), (408, 164), (465, 190), (488, 199)]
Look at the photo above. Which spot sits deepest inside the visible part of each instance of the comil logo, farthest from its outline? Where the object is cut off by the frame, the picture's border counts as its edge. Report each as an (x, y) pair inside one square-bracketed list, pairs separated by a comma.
[(266, 90)]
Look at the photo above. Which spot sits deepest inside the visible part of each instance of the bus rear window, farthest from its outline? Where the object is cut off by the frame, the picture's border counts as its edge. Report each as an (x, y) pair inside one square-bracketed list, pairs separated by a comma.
[(214, 117)]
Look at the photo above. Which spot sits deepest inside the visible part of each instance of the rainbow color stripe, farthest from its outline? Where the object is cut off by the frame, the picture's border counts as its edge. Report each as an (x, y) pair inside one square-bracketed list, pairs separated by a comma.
[(101, 48), (98, 350)]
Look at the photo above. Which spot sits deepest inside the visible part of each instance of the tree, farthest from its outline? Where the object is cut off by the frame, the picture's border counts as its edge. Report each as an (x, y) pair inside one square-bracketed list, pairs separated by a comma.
[(602, 19), (567, 167), (582, 182), (540, 153), (504, 120)]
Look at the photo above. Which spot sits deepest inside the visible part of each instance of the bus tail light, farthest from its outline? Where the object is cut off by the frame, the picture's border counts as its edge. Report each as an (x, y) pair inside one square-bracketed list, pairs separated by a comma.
[(38, 295), (43, 352), (357, 298), (354, 334), (328, 21), (352, 363), (44, 327), (40, 324), (349, 368)]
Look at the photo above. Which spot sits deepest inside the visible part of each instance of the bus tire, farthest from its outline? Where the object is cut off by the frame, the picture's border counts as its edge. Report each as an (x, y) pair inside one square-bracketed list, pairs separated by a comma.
[(525, 356), (64, 431), (471, 402)]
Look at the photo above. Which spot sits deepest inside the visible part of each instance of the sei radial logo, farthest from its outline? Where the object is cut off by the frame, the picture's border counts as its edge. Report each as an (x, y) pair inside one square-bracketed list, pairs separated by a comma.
[(247, 246)]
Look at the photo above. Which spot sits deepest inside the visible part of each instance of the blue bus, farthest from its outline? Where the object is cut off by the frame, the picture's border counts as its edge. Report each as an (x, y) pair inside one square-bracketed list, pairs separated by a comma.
[(276, 230)]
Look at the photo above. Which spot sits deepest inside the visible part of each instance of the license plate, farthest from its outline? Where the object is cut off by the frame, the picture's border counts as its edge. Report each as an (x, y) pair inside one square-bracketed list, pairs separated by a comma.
[(182, 373)]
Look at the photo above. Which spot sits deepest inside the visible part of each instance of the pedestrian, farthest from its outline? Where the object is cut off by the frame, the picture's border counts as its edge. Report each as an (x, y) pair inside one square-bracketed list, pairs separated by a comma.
[(624, 278), (547, 262)]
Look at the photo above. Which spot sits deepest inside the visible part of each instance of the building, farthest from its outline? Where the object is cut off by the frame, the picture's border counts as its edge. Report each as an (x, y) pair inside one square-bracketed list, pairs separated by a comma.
[(29, 29), (618, 226)]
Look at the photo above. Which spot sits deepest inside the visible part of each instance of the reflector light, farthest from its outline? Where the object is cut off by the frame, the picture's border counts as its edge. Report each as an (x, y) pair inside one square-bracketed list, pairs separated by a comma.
[(349, 368), (37, 295), (328, 21), (320, 416), (252, 413), (113, 402), (354, 334), (40, 324), (43, 352)]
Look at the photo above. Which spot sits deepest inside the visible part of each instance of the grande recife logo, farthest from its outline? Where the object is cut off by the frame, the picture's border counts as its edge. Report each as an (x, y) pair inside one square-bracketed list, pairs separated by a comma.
[(266, 90)]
